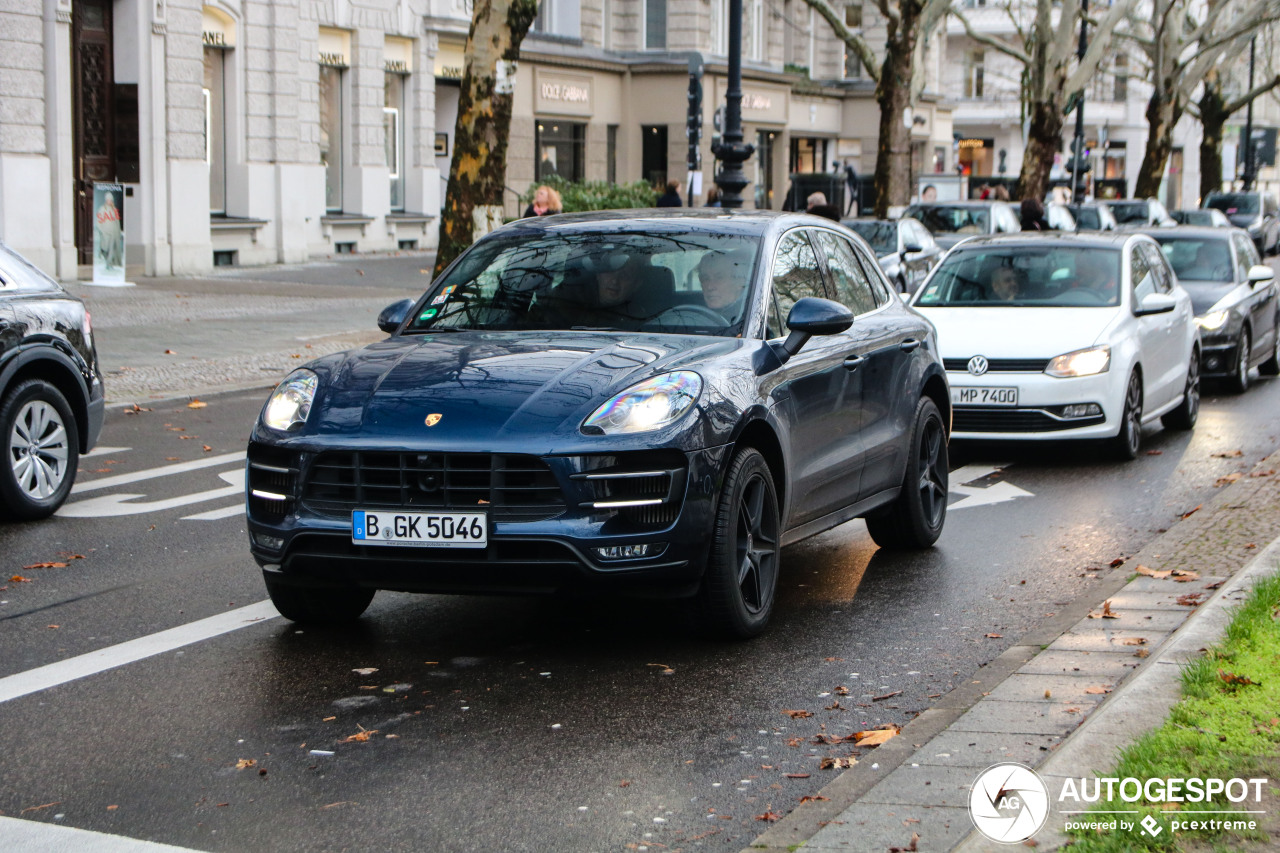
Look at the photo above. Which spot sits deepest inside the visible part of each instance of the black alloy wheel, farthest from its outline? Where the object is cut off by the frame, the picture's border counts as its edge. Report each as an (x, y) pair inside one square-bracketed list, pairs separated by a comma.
[(741, 579), (318, 605), (916, 517), (1271, 367), (1188, 411), (41, 445), (1129, 439), (1239, 381)]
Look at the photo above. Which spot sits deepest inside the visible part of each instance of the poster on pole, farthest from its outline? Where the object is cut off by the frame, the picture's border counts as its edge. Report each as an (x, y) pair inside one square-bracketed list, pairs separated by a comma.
[(108, 235)]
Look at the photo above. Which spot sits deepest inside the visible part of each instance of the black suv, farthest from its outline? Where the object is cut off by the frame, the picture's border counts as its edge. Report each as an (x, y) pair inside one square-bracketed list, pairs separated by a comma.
[(51, 394)]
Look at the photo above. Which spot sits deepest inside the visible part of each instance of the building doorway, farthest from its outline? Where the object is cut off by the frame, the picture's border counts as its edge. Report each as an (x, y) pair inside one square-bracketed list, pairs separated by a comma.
[(94, 112)]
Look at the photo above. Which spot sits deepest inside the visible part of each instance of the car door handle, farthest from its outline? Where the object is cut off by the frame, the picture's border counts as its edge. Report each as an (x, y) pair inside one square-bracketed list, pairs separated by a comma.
[(908, 345), (853, 362)]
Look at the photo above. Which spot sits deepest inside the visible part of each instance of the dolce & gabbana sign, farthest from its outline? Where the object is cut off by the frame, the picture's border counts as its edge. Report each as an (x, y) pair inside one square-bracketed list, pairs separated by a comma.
[(559, 93)]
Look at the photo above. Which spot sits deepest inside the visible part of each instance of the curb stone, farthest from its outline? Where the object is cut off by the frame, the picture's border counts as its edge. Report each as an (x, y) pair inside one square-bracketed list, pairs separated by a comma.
[(880, 802)]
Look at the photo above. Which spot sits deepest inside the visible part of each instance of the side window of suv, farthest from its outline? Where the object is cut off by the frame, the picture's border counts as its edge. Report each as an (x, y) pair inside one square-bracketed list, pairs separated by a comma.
[(853, 289), (795, 276)]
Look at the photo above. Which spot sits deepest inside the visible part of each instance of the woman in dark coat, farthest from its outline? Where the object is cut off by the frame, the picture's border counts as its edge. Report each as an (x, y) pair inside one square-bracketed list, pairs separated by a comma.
[(671, 198), (1033, 215)]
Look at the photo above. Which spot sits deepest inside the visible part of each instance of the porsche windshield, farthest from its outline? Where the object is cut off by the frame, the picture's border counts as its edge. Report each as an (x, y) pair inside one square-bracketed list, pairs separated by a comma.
[(694, 282), (1056, 276)]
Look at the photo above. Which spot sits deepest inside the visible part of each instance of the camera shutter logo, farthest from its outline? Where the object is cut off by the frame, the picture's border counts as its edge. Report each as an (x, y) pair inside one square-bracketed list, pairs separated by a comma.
[(1008, 803), (978, 365)]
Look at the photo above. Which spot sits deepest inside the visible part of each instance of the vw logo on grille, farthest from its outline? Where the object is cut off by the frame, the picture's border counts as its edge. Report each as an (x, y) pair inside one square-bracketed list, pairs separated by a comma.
[(978, 365)]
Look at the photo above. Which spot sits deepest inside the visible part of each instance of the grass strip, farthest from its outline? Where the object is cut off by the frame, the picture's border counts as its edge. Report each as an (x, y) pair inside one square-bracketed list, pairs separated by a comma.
[(1226, 726)]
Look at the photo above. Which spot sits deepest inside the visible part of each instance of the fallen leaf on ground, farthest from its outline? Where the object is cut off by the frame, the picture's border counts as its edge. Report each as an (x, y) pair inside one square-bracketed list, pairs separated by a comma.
[(1237, 680), (112, 808), (360, 736), (1191, 512), (1228, 480), (246, 762), (910, 848), (1194, 599), (53, 626), (1266, 473), (813, 799), (328, 719), (841, 691), (366, 670), (1228, 454), (134, 409), (1117, 562), (797, 775), (769, 816), (172, 458), (1185, 575), (38, 808), (798, 715), (886, 696), (832, 763), (1159, 574), (341, 803), (666, 670), (46, 566), (169, 352), (995, 636), (19, 579), (834, 660), (1155, 452), (197, 404), (1134, 641), (875, 737), (207, 448), (1141, 653), (1214, 585), (1107, 612), (1097, 691)]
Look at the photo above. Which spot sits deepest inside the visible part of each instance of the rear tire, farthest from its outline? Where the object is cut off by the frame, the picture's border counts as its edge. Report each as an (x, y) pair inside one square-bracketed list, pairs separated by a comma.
[(1239, 381), (1127, 442), (39, 450), (915, 518), (741, 579), (310, 605), (1184, 417)]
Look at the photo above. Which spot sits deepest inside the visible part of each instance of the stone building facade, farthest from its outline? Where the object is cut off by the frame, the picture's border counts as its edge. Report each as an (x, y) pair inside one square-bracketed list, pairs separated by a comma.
[(262, 131)]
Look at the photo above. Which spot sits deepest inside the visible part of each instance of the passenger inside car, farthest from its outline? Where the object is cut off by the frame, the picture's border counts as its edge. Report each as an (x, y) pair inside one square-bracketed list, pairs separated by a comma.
[(608, 291)]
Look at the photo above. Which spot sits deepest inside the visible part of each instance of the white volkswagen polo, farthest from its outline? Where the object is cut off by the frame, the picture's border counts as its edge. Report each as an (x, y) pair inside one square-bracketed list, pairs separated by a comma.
[(1064, 336)]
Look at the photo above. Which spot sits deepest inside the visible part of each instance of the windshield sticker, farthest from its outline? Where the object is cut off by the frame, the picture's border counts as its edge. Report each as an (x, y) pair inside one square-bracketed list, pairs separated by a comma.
[(428, 314), (439, 299)]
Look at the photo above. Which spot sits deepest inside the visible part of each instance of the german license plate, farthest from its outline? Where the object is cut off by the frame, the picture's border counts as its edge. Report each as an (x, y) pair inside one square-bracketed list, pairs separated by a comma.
[(432, 529), (984, 396)]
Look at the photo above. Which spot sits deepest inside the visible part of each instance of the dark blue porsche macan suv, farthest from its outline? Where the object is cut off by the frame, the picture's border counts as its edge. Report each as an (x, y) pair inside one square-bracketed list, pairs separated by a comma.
[(632, 401)]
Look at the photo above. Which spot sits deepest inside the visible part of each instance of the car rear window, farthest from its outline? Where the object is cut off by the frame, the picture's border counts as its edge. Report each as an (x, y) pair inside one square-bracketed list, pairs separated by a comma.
[(882, 236), (1043, 276), (1230, 203), (1130, 212), (951, 219)]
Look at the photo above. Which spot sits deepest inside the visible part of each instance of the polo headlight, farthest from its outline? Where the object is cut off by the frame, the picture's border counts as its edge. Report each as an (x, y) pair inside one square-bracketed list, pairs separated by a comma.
[(649, 405), (1085, 362), (290, 403), (1212, 321)]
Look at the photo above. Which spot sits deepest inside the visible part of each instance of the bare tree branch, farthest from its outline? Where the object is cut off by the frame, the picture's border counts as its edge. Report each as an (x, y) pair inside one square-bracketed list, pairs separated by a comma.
[(997, 44), (854, 41)]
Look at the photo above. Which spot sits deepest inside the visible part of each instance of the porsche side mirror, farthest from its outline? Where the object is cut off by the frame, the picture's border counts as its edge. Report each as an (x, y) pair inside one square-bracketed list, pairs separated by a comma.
[(1260, 273), (1155, 303), (813, 316), (392, 317)]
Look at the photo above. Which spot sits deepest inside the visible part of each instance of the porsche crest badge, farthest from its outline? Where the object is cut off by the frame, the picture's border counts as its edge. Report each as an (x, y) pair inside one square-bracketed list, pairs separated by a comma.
[(433, 419)]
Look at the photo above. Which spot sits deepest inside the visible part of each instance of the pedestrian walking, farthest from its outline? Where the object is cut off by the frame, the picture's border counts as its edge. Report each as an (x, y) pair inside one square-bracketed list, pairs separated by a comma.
[(545, 202), (671, 198)]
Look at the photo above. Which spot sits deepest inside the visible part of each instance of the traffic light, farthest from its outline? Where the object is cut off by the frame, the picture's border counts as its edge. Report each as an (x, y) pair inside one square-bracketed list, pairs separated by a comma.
[(1079, 152), (693, 120)]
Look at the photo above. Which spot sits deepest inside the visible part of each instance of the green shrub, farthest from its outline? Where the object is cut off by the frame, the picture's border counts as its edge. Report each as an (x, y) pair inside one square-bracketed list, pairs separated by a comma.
[(595, 195)]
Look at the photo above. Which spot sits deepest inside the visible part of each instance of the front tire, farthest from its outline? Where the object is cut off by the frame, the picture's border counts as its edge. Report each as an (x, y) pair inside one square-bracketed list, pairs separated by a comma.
[(41, 446), (1239, 381), (310, 605), (915, 518), (741, 579), (1184, 417), (1129, 439)]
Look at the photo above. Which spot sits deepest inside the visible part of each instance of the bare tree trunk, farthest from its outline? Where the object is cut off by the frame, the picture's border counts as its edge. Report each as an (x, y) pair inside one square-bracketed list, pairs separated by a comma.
[(1042, 144), (477, 176), (1213, 116), (1162, 114), (893, 93)]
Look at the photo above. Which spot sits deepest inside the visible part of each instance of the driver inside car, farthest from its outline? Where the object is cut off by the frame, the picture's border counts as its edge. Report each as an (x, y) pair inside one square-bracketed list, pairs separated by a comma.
[(1097, 274), (724, 279)]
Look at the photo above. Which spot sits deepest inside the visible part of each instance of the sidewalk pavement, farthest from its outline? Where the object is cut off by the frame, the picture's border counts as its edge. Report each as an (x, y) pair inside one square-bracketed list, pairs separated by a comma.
[(241, 327), (1064, 699)]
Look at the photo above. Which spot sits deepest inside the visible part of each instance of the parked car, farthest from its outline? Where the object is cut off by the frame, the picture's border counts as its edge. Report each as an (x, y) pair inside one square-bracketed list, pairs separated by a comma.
[(1140, 213), (1059, 217), (1255, 212), (623, 400), (1234, 296), (1209, 217), (905, 249), (951, 221), (1064, 336), (51, 393), (1093, 216)]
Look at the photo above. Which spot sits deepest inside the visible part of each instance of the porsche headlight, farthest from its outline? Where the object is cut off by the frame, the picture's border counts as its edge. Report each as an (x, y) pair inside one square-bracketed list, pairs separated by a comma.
[(648, 405), (290, 403), (1085, 362), (1212, 321)]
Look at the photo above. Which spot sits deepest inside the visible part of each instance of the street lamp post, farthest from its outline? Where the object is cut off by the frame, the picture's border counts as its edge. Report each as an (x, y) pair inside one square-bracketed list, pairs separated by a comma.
[(731, 151), (1250, 162)]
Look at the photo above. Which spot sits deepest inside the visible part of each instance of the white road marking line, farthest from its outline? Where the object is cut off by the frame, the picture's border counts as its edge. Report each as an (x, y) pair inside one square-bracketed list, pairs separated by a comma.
[(108, 506), (36, 837), (217, 514), (151, 473), (104, 451), (92, 663)]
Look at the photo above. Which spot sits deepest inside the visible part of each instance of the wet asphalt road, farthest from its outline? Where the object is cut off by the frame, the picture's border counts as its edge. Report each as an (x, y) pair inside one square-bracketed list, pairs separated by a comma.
[(522, 724)]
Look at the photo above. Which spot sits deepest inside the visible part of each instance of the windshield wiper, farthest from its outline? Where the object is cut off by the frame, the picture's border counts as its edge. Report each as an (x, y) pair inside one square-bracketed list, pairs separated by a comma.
[(595, 329)]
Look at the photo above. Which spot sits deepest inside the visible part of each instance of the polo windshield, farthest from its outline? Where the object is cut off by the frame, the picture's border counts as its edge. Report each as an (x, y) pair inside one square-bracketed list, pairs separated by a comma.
[(1010, 276)]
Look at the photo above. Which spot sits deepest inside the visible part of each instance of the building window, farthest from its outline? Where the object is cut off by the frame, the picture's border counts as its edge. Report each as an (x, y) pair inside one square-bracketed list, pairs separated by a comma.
[(808, 154), (764, 169), (653, 154), (611, 153), (331, 134), (852, 20), (974, 61), (655, 24), (753, 35), (939, 159), (559, 17), (561, 146), (1122, 78), (393, 134), (215, 126), (720, 27)]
